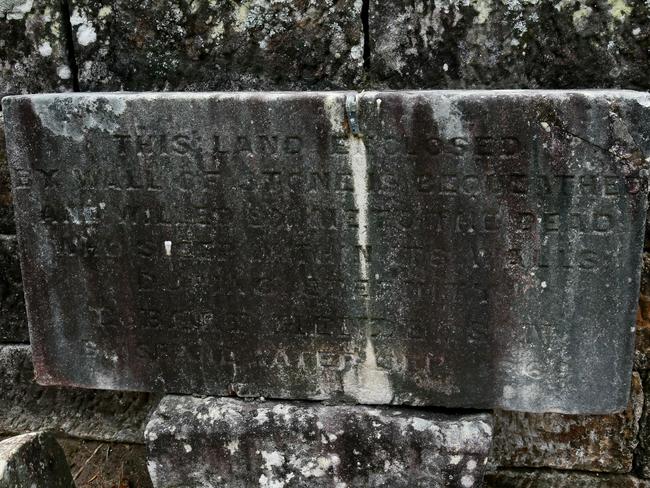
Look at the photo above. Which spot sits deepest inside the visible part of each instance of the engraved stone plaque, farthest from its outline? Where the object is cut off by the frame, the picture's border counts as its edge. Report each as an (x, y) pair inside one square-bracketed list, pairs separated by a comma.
[(460, 249)]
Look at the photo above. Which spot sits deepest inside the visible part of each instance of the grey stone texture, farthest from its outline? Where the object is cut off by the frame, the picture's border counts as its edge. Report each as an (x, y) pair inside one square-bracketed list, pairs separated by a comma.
[(6, 208), (33, 460), (13, 319), (199, 442), (90, 414), (578, 442), (250, 244), (561, 479), (33, 55), (208, 45), (509, 44)]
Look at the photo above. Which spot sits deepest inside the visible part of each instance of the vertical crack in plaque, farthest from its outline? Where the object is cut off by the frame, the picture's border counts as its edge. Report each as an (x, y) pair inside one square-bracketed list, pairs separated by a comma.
[(367, 383)]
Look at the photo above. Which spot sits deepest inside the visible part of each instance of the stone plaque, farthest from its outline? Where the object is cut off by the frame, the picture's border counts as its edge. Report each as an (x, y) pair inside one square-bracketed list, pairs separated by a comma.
[(461, 249)]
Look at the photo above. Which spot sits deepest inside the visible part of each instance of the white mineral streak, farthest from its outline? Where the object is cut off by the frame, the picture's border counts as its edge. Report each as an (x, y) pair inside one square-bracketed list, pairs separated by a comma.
[(81, 114), (448, 116), (366, 382), (359, 166)]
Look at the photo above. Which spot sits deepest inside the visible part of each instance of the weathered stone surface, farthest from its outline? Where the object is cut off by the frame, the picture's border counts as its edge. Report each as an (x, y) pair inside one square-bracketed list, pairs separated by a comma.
[(101, 415), (194, 442), (467, 249), (579, 442), (13, 321), (253, 44), (33, 461), (642, 458), (642, 349), (509, 44), (33, 55), (561, 479), (6, 209), (106, 465)]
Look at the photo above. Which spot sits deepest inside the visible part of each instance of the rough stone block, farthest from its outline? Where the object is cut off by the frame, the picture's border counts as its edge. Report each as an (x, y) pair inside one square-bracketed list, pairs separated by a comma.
[(325, 245), (561, 479), (579, 442), (194, 442), (26, 406), (13, 319), (33, 461), (253, 44), (33, 56), (509, 44)]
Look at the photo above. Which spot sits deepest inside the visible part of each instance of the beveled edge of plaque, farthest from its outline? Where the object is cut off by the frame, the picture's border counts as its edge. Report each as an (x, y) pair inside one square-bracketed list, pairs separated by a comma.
[(643, 97)]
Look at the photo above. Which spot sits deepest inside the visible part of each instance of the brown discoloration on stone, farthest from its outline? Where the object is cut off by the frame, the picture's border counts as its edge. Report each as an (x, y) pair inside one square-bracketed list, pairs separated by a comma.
[(195, 442), (642, 350), (246, 243), (577, 442), (7, 225)]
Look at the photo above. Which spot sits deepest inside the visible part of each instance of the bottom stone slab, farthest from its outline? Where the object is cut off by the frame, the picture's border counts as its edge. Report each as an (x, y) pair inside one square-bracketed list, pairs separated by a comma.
[(561, 479), (33, 461), (220, 442)]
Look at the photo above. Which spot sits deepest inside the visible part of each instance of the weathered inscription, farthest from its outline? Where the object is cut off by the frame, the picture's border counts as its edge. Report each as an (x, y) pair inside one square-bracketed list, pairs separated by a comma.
[(475, 249)]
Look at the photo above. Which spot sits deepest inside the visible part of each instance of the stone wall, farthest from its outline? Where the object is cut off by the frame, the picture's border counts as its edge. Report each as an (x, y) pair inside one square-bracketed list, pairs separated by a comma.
[(88, 45)]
